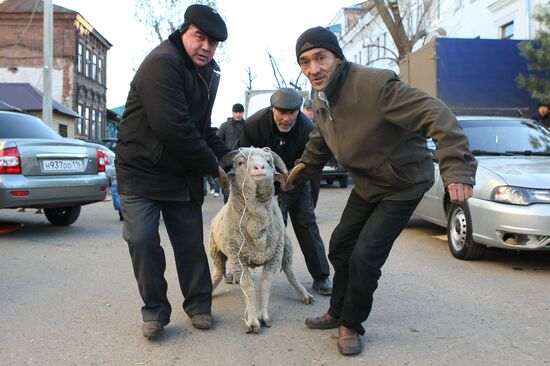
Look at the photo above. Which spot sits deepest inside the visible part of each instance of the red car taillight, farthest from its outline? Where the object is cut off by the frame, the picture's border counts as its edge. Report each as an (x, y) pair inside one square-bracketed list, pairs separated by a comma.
[(102, 160), (10, 161)]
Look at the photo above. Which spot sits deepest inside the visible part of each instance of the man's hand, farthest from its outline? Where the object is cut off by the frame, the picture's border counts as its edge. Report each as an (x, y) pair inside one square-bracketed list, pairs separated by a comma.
[(288, 184), (460, 192)]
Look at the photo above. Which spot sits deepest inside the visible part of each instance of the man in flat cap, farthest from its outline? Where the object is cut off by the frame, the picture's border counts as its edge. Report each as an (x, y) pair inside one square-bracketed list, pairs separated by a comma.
[(166, 147), (230, 131), (375, 126), (285, 130)]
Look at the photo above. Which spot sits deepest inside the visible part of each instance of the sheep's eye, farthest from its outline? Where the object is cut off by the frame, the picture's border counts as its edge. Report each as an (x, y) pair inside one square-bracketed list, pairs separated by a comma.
[(241, 163)]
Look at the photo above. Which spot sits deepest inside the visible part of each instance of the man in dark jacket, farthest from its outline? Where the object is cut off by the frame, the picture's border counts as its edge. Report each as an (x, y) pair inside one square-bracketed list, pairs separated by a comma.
[(166, 146), (285, 130), (543, 114), (230, 131), (375, 126)]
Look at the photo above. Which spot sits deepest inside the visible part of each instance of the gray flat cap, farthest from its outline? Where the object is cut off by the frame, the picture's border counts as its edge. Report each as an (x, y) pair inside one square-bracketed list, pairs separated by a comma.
[(287, 99)]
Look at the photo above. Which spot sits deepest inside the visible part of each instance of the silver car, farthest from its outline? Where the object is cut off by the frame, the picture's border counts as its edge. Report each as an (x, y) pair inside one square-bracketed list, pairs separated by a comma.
[(511, 203), (39, 169)]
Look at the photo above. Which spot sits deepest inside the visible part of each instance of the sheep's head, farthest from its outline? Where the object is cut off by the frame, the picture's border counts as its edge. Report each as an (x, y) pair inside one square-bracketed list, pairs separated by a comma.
[(253, 168)]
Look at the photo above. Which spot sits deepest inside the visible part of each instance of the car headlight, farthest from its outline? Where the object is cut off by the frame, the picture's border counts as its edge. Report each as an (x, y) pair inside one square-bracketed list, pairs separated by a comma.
[(520, 196)]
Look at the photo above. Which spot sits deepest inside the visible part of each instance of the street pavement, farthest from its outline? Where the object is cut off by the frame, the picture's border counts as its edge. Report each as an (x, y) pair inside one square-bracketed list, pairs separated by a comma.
[(68, 297)]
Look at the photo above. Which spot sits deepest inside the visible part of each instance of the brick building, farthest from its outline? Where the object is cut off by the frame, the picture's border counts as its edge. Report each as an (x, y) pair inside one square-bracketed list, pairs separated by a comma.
[(79, 60)]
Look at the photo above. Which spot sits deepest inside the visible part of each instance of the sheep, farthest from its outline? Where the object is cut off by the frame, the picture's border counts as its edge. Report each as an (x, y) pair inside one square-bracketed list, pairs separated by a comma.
[(249, 230)]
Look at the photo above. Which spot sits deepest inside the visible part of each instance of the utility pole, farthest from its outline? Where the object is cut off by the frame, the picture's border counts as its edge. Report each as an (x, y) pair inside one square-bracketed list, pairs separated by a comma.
[(47, 114)]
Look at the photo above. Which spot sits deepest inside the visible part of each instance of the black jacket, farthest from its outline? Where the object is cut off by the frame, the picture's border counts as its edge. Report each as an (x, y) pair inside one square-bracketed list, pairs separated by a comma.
[(166, 143), (230, 131), (260, 131)]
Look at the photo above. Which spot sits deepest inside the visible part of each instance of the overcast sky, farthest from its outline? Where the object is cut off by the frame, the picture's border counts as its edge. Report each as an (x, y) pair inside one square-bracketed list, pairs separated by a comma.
[(254, 26)]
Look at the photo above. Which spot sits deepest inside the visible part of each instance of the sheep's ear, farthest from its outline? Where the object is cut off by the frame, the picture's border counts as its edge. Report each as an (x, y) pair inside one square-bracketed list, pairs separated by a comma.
[(224, 180), (279, 177)]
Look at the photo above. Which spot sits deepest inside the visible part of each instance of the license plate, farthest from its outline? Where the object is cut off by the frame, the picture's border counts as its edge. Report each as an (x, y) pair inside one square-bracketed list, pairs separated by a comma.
[(62, 165)]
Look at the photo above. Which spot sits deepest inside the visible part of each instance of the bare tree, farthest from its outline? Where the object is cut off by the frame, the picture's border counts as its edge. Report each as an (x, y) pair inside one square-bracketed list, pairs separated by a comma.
[(407, 21), (162, 17), (251, 78)]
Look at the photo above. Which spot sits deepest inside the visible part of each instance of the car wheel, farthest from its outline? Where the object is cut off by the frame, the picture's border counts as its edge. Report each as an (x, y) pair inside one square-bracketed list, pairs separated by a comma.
[(343, 182), (62, 216), (459, 233)]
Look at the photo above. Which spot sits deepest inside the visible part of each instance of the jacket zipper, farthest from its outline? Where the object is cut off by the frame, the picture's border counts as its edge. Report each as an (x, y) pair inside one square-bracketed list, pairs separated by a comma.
[(206, 84)]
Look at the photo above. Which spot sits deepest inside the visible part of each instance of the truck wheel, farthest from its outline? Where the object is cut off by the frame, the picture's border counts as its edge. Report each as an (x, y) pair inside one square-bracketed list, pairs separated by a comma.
[(62, 216), (459, 233), (343, 181)]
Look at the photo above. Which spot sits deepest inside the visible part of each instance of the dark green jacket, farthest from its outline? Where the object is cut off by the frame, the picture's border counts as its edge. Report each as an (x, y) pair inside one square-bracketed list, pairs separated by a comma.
[(376, 126)]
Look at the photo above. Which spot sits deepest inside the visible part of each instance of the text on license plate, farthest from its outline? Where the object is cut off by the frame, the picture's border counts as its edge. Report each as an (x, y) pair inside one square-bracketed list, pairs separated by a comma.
[(62, 165)]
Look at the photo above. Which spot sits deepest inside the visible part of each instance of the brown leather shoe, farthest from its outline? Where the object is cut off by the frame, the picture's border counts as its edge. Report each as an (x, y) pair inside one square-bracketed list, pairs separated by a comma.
[(349, 341), (325, 321)]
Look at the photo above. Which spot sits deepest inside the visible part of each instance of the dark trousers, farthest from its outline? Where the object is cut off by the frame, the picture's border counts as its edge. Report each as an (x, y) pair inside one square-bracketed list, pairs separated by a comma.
[(183, 222), (315, 188), (359, 247), (297, 203)]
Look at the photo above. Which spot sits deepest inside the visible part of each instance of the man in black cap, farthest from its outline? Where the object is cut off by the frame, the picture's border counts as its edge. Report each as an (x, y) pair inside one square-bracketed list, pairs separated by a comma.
[(230, 131), (285, 130), (375, 126), (166, 146), (543, 115)]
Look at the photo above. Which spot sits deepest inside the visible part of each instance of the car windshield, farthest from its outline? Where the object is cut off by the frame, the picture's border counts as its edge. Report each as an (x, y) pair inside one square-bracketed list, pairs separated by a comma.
[(23, 126), (506, 137)]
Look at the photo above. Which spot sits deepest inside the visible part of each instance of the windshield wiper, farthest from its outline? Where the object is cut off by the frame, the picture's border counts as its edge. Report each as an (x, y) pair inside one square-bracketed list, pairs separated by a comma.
[(491, 153), (529, 152)]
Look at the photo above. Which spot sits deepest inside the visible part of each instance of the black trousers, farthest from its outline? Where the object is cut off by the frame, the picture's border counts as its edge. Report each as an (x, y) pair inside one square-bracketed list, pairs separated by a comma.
[(297, 203), (359, 247), (183, 222)]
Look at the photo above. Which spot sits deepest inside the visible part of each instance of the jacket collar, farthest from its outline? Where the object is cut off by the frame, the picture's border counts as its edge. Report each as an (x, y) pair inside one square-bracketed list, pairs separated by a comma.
[(332, 91)]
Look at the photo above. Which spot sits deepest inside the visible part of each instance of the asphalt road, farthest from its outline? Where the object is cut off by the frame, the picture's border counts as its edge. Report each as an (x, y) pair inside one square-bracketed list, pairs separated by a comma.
[(68, 297)]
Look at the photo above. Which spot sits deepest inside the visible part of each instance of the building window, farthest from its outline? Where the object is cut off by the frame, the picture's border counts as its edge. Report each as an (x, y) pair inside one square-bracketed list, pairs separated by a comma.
[(88, 63), (79, 58), (63, 130), (100, 70), (80, 110), (86, 127), (93, 125), (507, 31), (99, 125), (94, 67)]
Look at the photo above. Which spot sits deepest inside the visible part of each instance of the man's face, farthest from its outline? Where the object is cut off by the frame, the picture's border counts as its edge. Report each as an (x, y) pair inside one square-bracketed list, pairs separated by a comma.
[(543, 110), (199, 47), (237, 116), (285, 120), (308, 112), (319, 65)]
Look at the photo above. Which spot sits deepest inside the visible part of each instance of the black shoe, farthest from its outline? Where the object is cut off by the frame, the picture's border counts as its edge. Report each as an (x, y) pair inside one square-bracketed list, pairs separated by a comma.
[(153, 329), (323, 286), (120, 217), (325, 321), (202, 321)]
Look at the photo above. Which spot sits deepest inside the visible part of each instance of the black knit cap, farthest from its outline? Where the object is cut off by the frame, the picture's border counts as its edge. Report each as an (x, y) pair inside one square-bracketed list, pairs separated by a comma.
[(238, 107), (207, 20), (318, 37), (544, 104), (286, 99)]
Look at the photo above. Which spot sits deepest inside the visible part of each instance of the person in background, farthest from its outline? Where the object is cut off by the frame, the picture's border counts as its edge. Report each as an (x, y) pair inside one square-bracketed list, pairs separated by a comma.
[(230, 131), (165, 149), (285, 130), (210, 181), (375, 126), (316, 181), (543, 115)]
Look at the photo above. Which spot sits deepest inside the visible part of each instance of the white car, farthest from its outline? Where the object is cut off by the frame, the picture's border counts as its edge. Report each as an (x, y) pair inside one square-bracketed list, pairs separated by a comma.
[(510, 207)]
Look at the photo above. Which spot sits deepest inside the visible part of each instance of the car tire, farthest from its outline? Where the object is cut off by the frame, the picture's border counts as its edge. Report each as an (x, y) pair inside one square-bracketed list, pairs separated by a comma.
[(343, 181), (459, 233), (62, 216)]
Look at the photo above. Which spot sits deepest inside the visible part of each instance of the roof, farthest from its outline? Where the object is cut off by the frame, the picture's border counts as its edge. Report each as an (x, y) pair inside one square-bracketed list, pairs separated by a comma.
[(27, 6), (27, 98)]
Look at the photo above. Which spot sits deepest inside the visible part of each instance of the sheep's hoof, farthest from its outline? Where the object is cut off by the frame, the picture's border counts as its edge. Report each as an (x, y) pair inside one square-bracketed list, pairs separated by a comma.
[(253, 327), (308, 299), (266, 322)]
